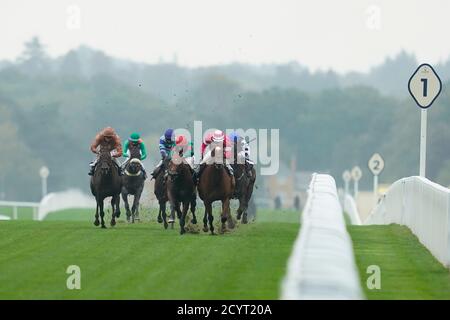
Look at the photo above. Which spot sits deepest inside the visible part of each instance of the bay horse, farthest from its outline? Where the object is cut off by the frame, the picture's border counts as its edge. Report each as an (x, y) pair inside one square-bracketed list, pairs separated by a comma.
[(181, 190), (106, 182), (215, 184), (133, 183), (161, 194)]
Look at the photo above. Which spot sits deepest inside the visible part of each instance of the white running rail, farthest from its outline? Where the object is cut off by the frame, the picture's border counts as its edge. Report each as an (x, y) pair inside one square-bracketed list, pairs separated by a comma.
[(352, 210), (16, 204), (322, 265), (423, 206), (69, 199)]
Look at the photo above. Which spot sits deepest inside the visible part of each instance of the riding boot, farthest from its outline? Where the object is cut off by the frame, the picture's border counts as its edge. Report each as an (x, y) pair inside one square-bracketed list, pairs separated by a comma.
[(229, 169), (92, 165)]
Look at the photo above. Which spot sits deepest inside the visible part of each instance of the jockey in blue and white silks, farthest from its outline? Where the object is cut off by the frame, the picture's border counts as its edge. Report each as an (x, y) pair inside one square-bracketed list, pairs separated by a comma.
[(166, 144)]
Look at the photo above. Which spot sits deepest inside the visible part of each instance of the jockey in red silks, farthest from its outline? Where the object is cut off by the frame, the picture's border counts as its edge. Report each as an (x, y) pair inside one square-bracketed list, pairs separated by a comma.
[(218, 139), (206, 142)]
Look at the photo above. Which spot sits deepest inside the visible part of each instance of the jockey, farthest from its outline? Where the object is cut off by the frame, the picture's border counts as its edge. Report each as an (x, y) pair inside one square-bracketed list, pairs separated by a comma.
[(243, 151), (218, 139), (135, 141), (185, 149), (206, 141), (166, 143), (106, 138)]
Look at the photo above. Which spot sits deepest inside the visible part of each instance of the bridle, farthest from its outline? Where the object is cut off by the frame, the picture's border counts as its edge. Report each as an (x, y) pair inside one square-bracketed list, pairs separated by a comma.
[(134, 160)]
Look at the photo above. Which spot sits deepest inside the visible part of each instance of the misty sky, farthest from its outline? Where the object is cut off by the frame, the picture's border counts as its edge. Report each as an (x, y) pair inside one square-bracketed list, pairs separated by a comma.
[(343, 35)]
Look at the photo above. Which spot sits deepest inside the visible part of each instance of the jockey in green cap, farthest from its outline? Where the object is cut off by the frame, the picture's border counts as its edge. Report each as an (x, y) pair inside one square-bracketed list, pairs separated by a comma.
[(134, 142)]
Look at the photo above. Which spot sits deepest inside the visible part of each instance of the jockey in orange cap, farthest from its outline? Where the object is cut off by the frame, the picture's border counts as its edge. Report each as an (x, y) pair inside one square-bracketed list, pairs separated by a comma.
[(106, 138)]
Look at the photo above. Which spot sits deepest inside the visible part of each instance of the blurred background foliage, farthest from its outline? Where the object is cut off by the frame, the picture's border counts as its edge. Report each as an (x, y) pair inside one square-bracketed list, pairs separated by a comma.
[(51, 108)]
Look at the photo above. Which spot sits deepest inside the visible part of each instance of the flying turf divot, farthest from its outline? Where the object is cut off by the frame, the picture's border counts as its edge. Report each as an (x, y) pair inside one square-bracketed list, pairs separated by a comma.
[(322, 264)]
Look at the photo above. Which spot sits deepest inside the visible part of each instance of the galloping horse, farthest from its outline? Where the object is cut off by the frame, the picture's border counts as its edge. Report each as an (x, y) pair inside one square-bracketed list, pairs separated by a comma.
[(244, 188), (181, 190), (133, 183), (161, 194), (216, 184), (106, 182)]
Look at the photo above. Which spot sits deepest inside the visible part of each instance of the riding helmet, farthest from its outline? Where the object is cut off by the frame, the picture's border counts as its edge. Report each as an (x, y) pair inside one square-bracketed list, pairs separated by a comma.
[(134, 137), (168, 135)]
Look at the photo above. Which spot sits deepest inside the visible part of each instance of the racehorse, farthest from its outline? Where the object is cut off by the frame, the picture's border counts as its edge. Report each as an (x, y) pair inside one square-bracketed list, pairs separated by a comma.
[(106, 182), (244, 189), (181, 190), (133, 183), (216, 184), (161, 194)]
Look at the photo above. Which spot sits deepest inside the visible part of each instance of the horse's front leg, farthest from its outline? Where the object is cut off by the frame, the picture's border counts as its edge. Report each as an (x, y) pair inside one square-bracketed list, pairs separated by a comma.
[(205, 219), (96, 222), (193, 206), (160, 219), (102, 214), (226, 215), (135, 207), (162, 205), (183, 216), (208, 207), (127, 206), (114, 206), (243, 206), (117, 212), (240, 209), (173, 207)]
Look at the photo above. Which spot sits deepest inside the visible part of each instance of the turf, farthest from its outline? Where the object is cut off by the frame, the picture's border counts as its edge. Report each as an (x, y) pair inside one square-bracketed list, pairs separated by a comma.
[(408, 270), (143, 261)]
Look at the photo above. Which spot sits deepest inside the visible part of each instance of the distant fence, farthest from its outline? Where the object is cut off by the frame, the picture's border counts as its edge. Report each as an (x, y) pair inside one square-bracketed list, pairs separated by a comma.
[(16, 204), (322, 264), (423, 206)]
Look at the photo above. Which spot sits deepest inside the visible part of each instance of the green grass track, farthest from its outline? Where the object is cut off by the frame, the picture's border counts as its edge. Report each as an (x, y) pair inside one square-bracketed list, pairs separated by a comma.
[(144, 261), (408, 270)]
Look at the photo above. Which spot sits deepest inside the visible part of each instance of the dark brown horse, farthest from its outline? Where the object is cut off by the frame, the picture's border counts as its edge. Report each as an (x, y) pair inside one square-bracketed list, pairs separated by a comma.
[(161, 194), (216, 184), (181, 190), (244, 189), (106, 182), (133, 183)]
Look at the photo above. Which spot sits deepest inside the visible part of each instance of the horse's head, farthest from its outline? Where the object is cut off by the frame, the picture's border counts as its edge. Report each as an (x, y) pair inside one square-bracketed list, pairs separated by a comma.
[(217, 154), (105, 161), (173, 169), (134, 167)]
